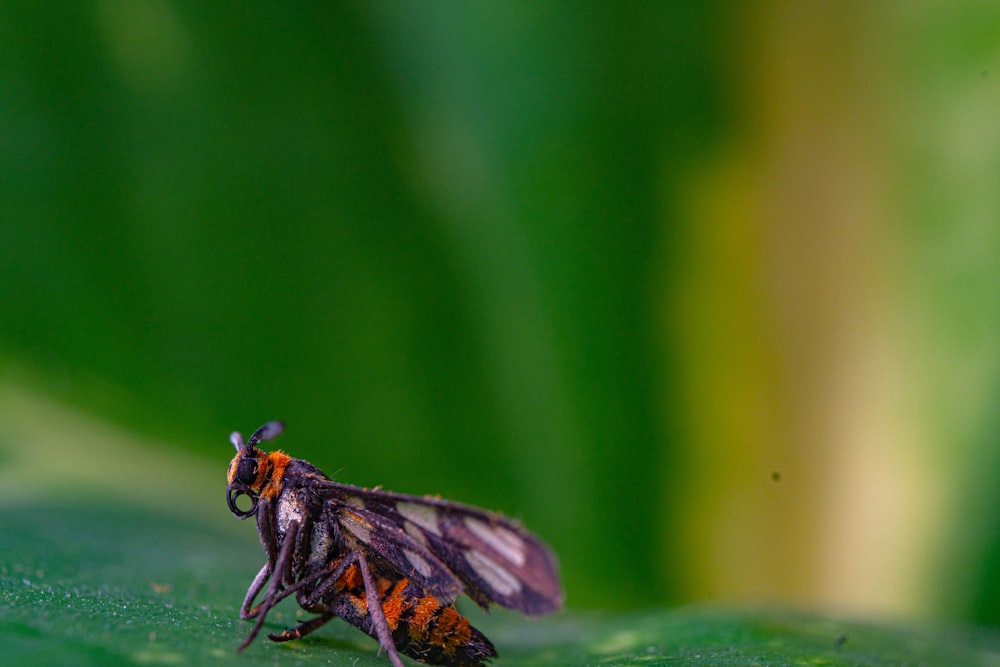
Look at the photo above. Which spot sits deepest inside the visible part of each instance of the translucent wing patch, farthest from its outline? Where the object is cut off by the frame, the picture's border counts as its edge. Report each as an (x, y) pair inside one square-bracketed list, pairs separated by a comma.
[(408, 555), (494, 559)]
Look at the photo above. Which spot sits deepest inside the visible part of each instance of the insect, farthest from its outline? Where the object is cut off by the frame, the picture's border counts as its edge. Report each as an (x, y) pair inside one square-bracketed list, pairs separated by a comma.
[(388, 563)]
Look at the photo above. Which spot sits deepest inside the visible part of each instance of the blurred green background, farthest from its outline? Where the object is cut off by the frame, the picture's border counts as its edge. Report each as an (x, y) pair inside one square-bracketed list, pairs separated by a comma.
[(705, 293)]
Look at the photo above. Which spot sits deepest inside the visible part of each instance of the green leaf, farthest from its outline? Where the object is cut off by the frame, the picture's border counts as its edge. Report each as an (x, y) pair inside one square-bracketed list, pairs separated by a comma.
[(116, 550), (97, 584)]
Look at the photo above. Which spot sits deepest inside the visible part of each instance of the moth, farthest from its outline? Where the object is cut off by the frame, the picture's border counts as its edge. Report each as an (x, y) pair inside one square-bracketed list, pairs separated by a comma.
[(388, 563)]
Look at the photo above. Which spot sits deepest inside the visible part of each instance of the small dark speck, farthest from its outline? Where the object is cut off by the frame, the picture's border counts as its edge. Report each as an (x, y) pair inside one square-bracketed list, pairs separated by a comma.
[(775, 476), (841, 640), (984, 74)]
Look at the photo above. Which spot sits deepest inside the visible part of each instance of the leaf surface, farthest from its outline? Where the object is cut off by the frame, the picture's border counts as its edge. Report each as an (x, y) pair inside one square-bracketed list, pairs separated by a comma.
[(96, 584)]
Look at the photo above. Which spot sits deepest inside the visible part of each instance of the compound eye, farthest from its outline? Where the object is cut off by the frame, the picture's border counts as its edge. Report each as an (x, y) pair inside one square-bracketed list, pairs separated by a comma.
[(246, 471)]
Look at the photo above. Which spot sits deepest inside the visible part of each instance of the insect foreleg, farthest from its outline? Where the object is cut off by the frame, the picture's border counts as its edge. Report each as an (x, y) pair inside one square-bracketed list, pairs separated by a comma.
[(246, 613), (269, 540), (327, 577), (375, 611), (284, 560)]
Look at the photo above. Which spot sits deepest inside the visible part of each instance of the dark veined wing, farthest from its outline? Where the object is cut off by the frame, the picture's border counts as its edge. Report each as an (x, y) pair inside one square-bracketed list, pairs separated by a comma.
[(407, 554), (495, 559)]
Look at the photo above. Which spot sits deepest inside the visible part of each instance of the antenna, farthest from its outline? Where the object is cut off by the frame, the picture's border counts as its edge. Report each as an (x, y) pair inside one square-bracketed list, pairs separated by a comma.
[(268, 431)]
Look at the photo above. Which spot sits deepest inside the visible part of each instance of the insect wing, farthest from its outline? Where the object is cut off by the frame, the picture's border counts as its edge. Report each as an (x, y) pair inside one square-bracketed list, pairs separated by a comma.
[(409, 555), (495, 559), (498, 560)]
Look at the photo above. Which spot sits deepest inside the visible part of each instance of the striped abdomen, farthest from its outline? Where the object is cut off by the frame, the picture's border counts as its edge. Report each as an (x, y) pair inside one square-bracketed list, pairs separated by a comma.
[(421, 626)]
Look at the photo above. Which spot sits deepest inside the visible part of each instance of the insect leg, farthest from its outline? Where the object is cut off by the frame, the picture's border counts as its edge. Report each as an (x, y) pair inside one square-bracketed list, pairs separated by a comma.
[(375, 611), (269, 540), (302, 630), (284, 561), (246, 613), (328, 577), (330, 580)]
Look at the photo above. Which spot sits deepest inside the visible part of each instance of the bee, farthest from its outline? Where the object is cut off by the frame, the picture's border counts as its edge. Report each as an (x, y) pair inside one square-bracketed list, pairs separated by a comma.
[(389, 564)]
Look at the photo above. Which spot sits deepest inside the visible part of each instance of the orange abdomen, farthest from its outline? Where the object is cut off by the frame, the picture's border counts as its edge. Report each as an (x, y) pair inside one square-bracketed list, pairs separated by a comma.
[(422, 627)]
